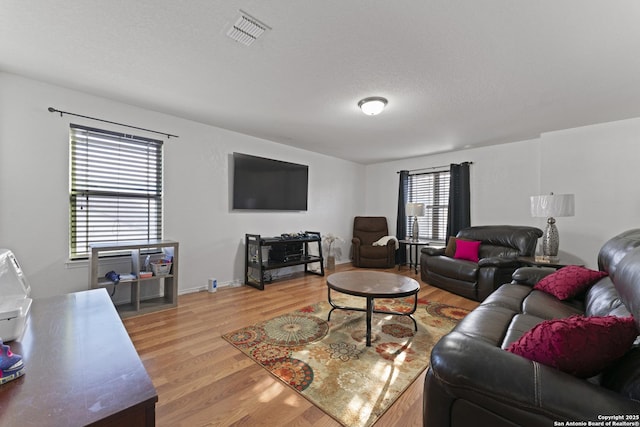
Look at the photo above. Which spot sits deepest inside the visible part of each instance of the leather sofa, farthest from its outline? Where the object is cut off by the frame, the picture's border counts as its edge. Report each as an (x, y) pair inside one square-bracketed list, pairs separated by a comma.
[(500, 247), (473, 380)]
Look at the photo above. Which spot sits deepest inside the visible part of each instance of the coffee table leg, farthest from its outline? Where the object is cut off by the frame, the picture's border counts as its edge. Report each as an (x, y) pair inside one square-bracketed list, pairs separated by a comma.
[(369, 313), (333, 307), (415, 306)]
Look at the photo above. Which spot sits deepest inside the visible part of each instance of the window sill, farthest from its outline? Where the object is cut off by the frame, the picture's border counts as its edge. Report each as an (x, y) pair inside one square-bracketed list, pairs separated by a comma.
[(82, 263)]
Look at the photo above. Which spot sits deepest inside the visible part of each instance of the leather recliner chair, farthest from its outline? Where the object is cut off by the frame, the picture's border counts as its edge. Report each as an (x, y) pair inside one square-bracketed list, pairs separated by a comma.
[(366, 230), (500, 247)]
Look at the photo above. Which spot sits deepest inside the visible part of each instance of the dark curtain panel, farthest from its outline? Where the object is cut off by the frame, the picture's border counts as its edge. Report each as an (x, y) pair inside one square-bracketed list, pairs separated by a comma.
[(459, 216), (401, 221)]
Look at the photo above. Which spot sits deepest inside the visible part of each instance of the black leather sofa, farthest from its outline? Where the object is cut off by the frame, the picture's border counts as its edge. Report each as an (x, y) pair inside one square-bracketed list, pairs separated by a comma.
[(473, 380), (500, 246)]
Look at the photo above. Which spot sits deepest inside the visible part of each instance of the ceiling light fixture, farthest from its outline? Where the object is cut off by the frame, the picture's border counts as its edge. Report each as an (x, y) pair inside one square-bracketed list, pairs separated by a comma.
[(373, 105)]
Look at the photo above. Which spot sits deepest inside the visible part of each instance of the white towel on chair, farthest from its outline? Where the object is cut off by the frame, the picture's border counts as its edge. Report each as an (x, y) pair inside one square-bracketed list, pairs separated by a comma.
[(384, 240)]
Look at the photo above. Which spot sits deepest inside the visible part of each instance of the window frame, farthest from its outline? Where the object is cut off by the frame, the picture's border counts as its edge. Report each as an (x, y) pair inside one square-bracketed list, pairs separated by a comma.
[(435, 196), (116, 188)]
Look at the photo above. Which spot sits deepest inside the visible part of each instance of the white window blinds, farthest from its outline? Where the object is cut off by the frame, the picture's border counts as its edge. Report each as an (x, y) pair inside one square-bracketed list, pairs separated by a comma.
[(116, 188), (432, 189)]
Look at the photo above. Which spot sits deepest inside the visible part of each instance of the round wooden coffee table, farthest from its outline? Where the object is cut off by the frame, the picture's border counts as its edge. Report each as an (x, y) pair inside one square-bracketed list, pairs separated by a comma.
[(371, 285)]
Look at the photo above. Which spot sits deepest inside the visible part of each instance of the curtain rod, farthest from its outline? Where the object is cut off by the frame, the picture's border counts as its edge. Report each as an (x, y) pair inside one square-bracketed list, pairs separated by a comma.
[(432, 167), (53, 110)]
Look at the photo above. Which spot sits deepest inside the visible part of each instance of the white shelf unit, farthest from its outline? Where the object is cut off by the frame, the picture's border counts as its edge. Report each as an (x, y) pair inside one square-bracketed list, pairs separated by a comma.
[(136, 250)]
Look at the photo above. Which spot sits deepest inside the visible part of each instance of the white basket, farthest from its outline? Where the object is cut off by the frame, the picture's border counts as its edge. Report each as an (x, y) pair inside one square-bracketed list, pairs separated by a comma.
[(161, 269)]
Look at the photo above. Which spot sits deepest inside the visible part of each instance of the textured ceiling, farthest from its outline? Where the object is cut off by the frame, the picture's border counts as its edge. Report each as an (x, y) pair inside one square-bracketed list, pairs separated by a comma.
[(457, 73)]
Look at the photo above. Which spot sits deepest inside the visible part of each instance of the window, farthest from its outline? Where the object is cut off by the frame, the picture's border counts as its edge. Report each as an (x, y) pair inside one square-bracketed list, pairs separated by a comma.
[(116, 188), (432, 189)]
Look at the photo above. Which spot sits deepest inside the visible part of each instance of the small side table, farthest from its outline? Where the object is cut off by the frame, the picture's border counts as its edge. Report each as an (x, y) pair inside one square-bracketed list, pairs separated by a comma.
[(557, 262), (413, 251)]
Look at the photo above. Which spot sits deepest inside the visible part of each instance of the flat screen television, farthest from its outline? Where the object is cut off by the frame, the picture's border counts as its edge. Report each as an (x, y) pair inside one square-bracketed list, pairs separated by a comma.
[(266, 184)]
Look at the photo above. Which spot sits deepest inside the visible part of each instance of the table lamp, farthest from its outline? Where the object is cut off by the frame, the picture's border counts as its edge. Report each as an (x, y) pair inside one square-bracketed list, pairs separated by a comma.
[(550, 206), (415, 210)]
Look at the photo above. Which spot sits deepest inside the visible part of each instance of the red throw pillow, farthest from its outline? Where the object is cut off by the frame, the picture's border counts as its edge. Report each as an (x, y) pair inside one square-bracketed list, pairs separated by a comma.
[(578, 345), (569, 281), (467, 249)]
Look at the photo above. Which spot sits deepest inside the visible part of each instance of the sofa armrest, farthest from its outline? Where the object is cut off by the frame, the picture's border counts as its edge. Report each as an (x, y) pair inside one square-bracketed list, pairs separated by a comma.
[(356, 241), (475, 370), (530, 275), (499, 262), (428, 250)]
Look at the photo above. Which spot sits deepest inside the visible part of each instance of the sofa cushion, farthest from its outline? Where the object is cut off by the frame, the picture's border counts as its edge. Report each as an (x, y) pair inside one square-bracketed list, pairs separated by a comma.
[(520, 325), (509, 296), (530, 275), (521, 238), (548, 307), (373, 251), (617, 248), (467, 249), (486, 323), (581, 346), (569, 281), (624, 376), (490, 251), (603, 299), (626, 279), (452, 268)]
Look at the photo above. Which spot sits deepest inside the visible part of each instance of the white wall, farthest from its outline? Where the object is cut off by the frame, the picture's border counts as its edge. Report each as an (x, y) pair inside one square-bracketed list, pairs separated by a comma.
[(597, 163), (499, 175), (34, 183)]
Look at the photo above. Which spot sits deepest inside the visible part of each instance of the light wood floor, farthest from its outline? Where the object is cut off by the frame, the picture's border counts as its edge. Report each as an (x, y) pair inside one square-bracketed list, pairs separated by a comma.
[(202, 380)]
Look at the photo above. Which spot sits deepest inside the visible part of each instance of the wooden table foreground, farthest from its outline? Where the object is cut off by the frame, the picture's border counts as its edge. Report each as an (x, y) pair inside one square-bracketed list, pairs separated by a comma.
[(80, 368)]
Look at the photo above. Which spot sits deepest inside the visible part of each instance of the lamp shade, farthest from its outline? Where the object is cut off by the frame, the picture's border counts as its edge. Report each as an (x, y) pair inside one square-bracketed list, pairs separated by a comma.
[(415, 209), (552, 205)]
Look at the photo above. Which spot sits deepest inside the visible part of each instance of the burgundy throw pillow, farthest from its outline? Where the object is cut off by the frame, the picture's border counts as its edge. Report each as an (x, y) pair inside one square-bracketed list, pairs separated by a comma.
[(467, 249), (578, 345), (569, 281)]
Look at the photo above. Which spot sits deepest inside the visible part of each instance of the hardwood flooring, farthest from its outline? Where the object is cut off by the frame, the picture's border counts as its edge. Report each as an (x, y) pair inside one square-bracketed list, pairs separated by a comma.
[(202, 380)]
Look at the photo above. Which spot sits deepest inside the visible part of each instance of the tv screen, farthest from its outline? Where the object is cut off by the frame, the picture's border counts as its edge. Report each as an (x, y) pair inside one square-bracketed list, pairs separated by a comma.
[(260, 183)]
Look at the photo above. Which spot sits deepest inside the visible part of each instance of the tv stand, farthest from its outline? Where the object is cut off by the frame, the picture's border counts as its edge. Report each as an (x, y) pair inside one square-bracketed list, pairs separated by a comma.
[(283, 251)]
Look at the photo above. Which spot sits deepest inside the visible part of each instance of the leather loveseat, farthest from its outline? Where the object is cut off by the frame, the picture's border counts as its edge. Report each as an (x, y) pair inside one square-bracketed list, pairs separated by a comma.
[(473, 380), (500, 246)]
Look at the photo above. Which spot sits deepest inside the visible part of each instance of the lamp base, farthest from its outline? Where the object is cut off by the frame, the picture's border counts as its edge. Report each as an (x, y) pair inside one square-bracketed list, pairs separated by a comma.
[(550, 239), (415, 230)]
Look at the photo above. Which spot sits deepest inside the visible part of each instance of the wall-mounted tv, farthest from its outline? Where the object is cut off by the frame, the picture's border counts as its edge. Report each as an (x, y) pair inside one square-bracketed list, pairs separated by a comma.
[(267, 184)]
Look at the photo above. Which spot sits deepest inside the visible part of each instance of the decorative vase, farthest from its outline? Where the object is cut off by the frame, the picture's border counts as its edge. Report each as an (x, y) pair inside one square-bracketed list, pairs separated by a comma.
[(331, 263)]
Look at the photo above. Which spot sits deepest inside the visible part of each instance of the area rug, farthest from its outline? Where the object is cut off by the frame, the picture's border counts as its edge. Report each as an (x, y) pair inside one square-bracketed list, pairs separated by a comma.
[(328, 362)]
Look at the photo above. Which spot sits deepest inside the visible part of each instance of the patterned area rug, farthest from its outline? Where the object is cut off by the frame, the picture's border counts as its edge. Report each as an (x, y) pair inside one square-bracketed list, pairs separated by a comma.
[(329, 363)]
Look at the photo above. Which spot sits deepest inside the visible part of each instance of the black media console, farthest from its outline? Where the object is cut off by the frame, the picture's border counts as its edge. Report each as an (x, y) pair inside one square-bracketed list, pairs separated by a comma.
[(283, 251)]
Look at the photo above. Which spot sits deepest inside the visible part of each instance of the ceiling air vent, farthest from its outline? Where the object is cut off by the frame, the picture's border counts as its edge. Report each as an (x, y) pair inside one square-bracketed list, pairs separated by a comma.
[(247, 29)]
